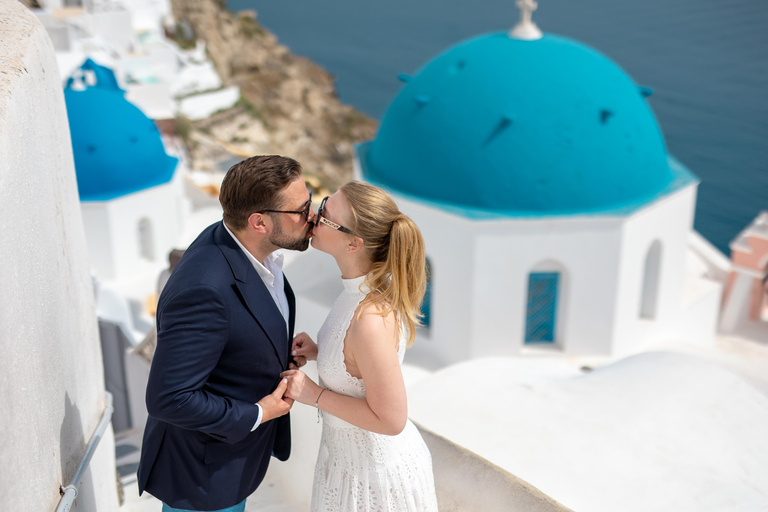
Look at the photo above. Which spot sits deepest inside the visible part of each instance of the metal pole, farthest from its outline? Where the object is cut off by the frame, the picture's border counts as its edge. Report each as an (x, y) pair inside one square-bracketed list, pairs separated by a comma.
[(69, 493)]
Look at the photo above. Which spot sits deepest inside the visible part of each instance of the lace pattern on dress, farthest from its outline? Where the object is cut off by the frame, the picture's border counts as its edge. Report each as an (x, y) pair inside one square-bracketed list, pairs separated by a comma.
[(358, 470)]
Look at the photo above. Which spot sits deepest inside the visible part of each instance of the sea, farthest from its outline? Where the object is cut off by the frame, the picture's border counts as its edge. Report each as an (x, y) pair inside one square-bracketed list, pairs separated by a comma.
[(706, 61)]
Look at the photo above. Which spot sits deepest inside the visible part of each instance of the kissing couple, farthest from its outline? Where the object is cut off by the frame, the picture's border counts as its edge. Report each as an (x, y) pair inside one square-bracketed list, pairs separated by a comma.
[(226, 370)]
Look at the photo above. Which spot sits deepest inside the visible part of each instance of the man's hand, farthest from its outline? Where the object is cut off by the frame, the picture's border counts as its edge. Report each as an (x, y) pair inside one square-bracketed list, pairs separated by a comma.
[(303, 350), (277, 404), (301, 387)]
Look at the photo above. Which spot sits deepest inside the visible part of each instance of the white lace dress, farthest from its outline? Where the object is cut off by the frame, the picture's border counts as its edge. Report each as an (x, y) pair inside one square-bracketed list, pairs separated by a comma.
[(358, 470)]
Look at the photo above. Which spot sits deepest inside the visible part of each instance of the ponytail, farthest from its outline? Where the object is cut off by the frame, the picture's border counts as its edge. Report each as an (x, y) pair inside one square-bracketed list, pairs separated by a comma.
[(397, 253)]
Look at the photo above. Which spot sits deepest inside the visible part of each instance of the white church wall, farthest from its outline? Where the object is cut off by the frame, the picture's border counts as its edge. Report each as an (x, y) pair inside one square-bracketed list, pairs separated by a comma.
[(475, 263), (134, 246), (664, 224), (131, 247), (51, 374), (584, 250), (449, 241), (601, 262)]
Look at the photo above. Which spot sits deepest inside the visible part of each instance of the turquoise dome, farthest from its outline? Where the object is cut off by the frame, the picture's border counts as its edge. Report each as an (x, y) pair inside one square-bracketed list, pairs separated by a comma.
[(522, 128), (117, 149)]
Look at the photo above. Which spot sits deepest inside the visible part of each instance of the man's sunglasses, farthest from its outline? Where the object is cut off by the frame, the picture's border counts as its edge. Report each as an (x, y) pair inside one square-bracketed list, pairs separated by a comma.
[(304, 212), (329, 223)]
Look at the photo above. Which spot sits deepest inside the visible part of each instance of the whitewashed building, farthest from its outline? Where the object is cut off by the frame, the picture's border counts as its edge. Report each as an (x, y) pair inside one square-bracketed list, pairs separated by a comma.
[(555, 219), (131, 195)]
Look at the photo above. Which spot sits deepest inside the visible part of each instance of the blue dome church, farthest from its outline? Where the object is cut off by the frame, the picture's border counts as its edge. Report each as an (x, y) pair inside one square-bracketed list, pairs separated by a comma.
[(555, 219), (130, 193), (117, 149)]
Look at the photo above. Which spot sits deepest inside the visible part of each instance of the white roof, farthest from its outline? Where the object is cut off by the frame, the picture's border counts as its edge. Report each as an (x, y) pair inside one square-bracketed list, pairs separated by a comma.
[(654, 432)]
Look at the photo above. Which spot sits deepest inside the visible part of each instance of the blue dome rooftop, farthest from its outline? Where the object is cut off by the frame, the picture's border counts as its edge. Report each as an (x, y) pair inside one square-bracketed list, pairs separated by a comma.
[(117, 149), (497, 125)]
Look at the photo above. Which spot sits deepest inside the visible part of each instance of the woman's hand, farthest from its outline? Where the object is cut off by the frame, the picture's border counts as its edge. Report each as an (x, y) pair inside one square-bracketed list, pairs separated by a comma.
[(300, 387), (303, 349)]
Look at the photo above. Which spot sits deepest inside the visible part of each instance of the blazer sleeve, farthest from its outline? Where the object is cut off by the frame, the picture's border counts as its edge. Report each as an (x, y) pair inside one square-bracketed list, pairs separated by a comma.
[(193, 328)]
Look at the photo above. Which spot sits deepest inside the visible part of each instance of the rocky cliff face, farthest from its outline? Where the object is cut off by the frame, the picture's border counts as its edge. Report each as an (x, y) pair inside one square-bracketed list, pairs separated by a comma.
[(289, 104)]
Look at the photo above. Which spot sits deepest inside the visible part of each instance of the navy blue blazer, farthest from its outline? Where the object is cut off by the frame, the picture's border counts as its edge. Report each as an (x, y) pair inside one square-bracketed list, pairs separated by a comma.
[(221, 346)]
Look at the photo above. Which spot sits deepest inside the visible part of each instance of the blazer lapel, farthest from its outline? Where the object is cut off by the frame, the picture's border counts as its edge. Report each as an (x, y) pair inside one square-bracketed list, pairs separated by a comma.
[(255, 295), (291, 307)]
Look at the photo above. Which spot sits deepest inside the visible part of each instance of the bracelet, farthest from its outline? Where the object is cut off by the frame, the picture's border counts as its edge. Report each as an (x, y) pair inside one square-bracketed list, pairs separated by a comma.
[(318, 407)]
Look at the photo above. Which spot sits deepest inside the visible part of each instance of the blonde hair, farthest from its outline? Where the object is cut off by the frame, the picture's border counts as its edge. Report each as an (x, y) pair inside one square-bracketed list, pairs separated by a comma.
[(396, 249)]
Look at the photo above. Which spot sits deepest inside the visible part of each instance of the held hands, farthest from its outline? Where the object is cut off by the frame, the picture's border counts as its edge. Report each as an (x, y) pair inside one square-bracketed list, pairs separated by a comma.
[(277, 404), (303, 350), (300, 387)]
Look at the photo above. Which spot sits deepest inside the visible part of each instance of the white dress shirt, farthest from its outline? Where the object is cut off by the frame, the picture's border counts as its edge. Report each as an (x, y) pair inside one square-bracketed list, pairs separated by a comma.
[(271, 274)]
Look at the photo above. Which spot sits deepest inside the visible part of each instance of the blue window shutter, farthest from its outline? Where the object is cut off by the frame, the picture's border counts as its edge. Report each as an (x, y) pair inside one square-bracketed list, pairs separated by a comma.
[(542, 307), (426, 304)]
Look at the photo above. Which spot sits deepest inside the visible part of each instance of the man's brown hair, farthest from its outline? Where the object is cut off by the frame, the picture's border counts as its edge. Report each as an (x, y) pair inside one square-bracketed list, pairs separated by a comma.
[(254, 185)]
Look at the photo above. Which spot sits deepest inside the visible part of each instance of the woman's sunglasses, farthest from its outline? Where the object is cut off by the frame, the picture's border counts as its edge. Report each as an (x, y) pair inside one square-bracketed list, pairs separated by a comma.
[(322, 219)]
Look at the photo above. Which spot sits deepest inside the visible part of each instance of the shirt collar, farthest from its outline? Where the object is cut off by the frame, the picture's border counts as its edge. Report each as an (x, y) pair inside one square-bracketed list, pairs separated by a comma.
[(267, 270)]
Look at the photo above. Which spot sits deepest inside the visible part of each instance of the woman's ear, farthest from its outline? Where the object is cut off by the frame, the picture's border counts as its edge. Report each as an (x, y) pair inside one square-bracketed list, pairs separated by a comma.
[(258, 222), (356, 244)]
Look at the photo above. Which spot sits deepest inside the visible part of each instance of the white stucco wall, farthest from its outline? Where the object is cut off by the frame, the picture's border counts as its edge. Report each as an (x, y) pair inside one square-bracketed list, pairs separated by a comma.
[(481, 270), (586, 253), (668, 221), (480, 282), (51, 376), (450, 247), (118, 220)]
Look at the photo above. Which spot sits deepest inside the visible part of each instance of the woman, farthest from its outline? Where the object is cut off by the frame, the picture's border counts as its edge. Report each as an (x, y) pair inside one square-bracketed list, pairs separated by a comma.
[(371, 456)]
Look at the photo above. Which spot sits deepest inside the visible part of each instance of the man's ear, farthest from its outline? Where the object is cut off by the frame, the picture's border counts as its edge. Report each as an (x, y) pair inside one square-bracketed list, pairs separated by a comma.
[(258, 222)]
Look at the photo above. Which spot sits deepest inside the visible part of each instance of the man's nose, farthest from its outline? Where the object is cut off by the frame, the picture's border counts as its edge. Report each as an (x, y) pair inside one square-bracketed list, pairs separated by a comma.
[(311, 216)]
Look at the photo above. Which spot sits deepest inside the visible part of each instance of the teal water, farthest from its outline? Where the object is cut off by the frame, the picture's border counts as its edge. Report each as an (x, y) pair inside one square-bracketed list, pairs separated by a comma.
[(706, 60)]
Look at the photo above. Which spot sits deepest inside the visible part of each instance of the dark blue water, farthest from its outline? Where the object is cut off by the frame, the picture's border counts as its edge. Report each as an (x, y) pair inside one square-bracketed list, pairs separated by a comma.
[(706, 60)]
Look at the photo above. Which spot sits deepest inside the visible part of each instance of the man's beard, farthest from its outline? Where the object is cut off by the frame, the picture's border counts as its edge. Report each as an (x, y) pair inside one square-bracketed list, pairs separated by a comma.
[(279, 239)]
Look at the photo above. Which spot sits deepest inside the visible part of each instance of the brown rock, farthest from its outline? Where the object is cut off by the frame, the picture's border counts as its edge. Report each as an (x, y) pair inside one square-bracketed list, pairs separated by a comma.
[(289, 104)]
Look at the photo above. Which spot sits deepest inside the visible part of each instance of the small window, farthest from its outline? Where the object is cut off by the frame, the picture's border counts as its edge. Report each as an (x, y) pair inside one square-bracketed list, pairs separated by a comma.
[(146, 241), (651, 274), (426, 304), (540, 317)]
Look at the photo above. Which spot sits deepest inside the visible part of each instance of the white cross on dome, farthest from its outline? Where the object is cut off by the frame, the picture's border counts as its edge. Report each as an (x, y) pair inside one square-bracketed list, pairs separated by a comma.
[(526, 29)]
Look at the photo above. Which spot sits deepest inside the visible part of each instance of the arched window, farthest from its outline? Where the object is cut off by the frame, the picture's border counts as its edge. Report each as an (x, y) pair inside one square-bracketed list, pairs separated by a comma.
[(543, 303), (426, 304), (146, 241), (651, 273)]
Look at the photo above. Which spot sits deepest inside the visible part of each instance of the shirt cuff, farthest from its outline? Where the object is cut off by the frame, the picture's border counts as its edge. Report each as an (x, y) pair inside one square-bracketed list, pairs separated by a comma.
[(258, 420)]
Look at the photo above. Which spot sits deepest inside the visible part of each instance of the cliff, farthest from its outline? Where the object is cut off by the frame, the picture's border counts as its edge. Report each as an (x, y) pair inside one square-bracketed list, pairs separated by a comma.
[(289, 104)]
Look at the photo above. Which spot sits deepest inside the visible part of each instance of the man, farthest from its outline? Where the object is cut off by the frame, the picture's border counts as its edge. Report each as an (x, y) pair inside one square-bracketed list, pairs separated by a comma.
[(224, 327)]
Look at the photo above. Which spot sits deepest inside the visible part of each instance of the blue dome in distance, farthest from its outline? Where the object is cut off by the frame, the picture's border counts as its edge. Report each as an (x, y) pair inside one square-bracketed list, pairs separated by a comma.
[(117, 149), (522, 128)]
